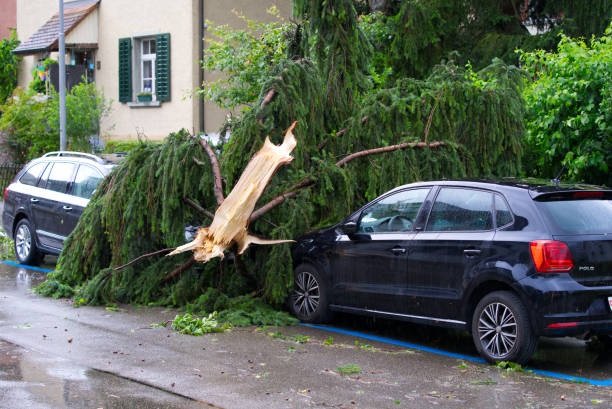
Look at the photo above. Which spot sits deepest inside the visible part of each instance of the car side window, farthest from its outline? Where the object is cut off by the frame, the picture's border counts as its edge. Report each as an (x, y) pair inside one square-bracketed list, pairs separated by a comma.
[(395, 213), (60, 176), (87, 179), (31, 176), (503, 215), (458, 209)]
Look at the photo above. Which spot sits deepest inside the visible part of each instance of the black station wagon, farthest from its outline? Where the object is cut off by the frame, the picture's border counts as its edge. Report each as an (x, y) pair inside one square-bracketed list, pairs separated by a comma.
[(43, 204), (508, 261)]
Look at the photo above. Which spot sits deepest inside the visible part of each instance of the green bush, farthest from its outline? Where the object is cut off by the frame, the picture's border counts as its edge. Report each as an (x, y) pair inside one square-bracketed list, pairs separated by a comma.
[(24, 121), (31, 121), (7, 247), (121, 146), (569, 109)]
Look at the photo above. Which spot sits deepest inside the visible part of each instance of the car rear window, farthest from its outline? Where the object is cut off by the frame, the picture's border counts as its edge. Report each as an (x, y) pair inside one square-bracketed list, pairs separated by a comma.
[(584, 216), (32, 174)]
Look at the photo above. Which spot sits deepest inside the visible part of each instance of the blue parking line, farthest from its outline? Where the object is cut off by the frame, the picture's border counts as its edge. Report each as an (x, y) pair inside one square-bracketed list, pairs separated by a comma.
[(10, 263), (453, 354)]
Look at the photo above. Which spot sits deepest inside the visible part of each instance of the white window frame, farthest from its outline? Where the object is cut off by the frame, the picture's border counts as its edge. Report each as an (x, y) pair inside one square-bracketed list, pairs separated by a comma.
[(147, 57)]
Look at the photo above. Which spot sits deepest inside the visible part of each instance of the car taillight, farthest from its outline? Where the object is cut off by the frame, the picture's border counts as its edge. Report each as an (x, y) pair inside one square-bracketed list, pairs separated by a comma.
[(5, 193), (588, 195), (551, 256)]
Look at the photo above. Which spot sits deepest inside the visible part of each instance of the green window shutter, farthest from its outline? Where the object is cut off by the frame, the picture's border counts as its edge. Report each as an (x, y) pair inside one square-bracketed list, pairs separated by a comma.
[(162, 67), (125, 69)]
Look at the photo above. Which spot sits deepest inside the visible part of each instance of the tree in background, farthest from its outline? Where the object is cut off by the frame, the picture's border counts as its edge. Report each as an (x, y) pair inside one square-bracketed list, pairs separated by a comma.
[(569, 109), (411, 37), (8, 66)]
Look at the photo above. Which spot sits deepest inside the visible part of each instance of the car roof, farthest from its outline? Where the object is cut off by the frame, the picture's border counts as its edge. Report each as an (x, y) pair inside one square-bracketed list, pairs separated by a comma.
[(535, 187), (74, 157)]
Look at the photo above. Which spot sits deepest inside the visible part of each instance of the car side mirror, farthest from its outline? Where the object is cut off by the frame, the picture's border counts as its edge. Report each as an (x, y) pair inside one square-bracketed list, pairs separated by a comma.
[(349, 227)]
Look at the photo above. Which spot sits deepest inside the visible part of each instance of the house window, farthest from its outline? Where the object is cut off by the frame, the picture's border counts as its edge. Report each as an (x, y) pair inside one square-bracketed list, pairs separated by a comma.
[(144, 66), (147, 65)]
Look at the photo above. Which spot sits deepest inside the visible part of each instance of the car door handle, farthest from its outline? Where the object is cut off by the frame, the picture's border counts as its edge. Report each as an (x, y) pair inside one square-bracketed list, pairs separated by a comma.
[(34, 200), (471, 252), (67, 208), (398, 251)]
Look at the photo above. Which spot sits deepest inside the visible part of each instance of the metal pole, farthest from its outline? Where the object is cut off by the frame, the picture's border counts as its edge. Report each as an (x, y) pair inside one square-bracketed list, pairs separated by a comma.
[(62, 78)]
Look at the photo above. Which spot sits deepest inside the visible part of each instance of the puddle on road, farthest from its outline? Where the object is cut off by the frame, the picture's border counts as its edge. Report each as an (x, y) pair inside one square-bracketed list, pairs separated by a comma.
[(32, 380), (570, 356), (19, 278)]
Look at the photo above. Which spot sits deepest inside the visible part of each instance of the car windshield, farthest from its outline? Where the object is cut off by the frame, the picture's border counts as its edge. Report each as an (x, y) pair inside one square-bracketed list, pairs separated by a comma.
[(579, 216)]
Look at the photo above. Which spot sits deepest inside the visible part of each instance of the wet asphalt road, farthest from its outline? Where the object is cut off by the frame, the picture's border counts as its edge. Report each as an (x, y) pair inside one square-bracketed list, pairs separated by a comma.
[(53, 355), (29, 379)]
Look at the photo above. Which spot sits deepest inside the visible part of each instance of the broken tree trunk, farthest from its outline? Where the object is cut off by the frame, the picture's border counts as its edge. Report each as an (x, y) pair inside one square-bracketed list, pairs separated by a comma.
[(231, 221)]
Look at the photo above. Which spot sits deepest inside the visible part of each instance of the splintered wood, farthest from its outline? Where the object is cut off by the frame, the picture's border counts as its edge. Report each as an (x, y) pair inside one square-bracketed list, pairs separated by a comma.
[(230, 224)]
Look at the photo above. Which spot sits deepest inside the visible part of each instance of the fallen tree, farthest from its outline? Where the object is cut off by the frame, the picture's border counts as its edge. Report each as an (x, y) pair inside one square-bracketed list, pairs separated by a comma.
[(455, 123)]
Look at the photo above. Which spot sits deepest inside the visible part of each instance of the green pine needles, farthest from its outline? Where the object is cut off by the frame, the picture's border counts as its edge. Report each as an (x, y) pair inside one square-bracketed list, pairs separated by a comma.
[(140, 207)]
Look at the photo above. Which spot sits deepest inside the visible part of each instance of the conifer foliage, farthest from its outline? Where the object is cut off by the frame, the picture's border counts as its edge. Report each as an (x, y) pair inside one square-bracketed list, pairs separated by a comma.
[(453, 123)]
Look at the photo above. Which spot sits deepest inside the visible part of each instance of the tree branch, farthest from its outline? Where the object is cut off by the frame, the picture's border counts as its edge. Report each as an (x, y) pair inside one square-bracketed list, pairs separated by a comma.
[(389, 149), (266, 101), (268, 98), (280, 199), (430, 119), (215, 168), (198, 208), (143, 256), (270, 205), (179, 269)]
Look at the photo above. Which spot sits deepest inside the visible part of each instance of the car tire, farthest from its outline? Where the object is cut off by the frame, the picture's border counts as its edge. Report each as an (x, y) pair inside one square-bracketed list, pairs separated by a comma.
[(25, 244), (309, 299), (501, 329)]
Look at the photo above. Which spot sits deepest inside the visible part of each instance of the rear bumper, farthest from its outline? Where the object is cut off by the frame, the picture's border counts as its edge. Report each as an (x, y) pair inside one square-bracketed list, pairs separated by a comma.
[(578, 328), (561, 306)]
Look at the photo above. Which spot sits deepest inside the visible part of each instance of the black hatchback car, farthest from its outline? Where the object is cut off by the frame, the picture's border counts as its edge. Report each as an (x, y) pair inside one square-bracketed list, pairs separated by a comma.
[(43, 204), (508, 261)]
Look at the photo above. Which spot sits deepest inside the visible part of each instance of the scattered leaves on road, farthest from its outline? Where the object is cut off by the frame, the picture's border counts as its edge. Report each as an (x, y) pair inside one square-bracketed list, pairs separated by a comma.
[(348, 369)]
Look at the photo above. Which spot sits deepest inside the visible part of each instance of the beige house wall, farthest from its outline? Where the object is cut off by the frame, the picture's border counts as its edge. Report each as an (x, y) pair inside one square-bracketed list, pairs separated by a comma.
[(86, 32), (134, 18)]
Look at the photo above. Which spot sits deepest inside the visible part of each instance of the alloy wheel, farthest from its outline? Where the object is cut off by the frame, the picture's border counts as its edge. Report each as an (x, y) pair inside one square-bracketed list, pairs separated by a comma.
[(307, 294), (23, 242), (497, 329)]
